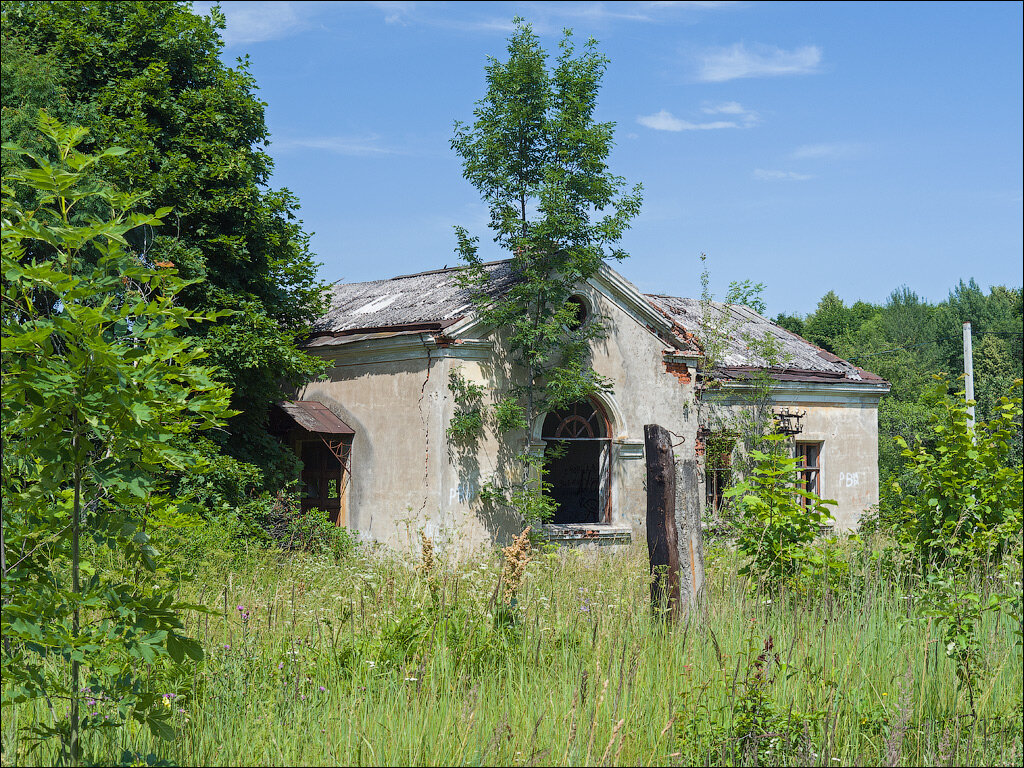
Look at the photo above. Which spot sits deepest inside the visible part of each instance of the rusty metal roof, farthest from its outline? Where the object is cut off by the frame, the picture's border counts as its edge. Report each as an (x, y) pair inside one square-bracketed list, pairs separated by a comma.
[(802, 360), (314, 416)]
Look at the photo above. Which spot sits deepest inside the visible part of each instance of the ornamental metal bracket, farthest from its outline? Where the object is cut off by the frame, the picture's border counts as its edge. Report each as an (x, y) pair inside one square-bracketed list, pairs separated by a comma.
[(787, 422)]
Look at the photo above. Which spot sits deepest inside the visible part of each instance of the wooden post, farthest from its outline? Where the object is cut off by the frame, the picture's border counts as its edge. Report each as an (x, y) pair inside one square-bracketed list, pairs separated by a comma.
[(675, 542), (690, 536), (662, 540)]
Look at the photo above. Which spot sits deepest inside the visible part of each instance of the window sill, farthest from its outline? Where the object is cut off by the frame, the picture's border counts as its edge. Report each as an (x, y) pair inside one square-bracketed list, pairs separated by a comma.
[(568, 534)]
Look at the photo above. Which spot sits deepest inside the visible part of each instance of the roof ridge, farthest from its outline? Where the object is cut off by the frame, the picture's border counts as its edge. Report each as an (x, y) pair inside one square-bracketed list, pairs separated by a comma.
[(444, 269)]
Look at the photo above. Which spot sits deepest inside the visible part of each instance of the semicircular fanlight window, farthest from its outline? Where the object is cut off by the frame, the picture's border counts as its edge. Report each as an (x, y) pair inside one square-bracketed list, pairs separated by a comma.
[(581, 421)]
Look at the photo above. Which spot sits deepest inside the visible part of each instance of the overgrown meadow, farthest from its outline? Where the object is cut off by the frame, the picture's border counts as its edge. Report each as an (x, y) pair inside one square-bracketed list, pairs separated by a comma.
[(376, 658)]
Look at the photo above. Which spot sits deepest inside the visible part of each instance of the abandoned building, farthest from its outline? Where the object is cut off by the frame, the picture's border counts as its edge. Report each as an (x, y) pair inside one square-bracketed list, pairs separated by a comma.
[(372, 433)]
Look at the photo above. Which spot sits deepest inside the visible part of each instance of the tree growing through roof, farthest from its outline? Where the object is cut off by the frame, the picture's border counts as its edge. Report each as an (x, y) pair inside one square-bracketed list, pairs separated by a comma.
[(740, 422), (539, 158)]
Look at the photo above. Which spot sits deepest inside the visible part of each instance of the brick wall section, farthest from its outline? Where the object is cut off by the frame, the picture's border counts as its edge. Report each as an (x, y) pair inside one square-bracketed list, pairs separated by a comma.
[(679, 370)]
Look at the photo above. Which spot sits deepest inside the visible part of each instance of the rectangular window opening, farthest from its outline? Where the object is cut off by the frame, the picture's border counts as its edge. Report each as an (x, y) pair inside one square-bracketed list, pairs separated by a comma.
[(809, 462)]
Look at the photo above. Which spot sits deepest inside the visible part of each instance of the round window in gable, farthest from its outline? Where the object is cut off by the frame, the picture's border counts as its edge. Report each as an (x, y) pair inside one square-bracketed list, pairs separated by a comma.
[(578, 312)]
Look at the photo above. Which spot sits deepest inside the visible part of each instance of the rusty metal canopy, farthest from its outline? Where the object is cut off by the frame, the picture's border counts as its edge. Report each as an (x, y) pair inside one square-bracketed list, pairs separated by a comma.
[(314, 416)]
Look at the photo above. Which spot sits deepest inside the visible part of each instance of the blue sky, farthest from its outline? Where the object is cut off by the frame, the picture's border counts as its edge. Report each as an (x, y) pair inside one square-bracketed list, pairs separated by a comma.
[(852, 147)]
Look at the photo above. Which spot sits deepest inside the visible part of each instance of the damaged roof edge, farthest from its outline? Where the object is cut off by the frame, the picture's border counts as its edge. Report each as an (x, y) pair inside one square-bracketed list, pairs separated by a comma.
[(314, 416)]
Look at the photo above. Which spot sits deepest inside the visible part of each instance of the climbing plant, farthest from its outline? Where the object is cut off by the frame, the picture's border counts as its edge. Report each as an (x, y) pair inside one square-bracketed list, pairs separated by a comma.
[(539, 159)]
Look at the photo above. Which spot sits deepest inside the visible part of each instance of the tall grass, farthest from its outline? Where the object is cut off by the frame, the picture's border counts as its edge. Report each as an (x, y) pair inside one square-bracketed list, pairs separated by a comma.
[(371, 661)]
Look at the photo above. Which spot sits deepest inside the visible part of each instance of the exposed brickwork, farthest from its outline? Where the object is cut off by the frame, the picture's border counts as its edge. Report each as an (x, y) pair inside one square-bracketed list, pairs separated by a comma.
[(679, 370)]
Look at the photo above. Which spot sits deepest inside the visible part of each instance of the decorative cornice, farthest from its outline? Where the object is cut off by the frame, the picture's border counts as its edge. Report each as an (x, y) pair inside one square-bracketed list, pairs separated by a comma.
[(617, 289), (846, 393), (421, 346)]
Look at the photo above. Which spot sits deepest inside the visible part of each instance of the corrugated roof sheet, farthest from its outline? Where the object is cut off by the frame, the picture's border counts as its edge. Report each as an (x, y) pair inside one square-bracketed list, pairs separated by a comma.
[(431, 300), (802, 360), (314, 416)]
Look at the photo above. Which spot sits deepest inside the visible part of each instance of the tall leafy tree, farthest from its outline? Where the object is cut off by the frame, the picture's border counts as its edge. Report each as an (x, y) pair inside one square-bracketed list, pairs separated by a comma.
[(147, 76), (539, 158), (97, 386)]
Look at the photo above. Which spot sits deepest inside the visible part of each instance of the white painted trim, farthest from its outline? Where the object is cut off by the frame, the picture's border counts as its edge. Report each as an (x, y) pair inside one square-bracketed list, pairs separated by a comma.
[(805, 393), (397, 348)]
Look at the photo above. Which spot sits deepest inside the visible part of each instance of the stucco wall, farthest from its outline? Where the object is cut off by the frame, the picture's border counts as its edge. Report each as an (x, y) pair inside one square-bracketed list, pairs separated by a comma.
[(849, 461), (847, 427), (392, 406), (405, 475)]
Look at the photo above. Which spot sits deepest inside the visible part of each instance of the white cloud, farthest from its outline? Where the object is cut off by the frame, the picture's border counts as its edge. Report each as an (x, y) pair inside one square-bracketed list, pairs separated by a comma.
[(764, 175), (546, 17), (748, 116), (824, 151), (255, 22), (666, 121), (356, 146), (736, 61)]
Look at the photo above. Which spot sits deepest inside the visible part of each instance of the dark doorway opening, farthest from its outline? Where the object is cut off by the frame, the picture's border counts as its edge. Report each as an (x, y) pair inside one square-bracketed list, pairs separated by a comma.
[(323, 477), (578, 464), (323, 443)]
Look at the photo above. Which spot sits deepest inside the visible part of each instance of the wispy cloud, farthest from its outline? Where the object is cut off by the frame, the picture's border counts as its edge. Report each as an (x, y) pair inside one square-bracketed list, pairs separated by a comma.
[(666, 121), (748, 116), (764, 175), (736, 61), (255, 22), (824, 151), (356, 146), (546, 17)]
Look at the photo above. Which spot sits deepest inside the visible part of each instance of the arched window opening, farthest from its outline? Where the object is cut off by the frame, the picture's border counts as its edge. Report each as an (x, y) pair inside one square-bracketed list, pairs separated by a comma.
[(578, 463), (578, 307)]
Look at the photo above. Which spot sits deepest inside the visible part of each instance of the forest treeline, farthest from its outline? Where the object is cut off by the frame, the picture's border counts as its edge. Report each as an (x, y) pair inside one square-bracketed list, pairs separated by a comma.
[(909, 341)]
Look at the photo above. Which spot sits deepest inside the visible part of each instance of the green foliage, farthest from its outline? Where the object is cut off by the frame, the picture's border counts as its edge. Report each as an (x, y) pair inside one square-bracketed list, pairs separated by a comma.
[(539, 160), (314, 531), (778, 521), (959, 611), (748, 425), (747, 294), (467, 423), (99, 385), (829, 322), (966, 504), (148, 77)]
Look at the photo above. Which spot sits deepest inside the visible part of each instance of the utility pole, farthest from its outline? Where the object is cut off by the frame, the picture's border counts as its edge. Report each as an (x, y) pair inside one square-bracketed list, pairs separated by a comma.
[(969, 375)]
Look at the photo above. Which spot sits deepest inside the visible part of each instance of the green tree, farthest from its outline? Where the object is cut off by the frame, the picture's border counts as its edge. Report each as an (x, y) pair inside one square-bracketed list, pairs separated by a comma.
[(967, 503), (98, 389), (538, 157), (147, 76), (828, 323)]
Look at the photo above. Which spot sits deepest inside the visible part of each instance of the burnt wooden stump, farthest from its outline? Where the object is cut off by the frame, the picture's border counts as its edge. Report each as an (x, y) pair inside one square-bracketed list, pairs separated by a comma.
[(674, 541)]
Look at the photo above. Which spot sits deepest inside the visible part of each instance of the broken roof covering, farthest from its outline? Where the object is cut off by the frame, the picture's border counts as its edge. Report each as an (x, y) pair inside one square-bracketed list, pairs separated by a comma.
[(425, 301), (314, 416), (803, 361)]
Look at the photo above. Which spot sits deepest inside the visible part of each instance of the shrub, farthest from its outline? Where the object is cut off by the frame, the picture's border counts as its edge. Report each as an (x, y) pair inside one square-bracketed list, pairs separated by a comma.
[(966, 506), (778, 521)]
